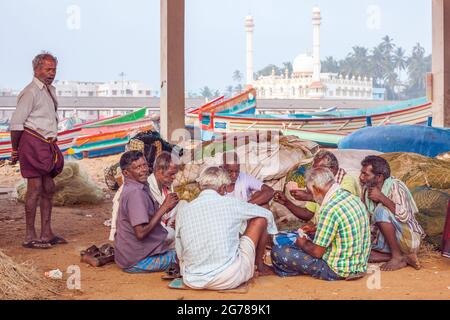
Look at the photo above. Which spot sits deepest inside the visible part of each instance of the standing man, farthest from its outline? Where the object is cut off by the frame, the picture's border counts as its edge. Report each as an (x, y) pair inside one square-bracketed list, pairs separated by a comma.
[(34, 129)]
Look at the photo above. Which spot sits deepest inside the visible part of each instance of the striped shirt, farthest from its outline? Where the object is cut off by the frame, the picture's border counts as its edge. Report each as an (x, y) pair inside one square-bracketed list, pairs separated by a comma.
[(405, 206), (207, 234), (344, 230)]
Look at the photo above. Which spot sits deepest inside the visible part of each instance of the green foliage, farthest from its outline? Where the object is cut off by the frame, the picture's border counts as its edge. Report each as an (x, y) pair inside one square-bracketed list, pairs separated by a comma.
[(402, 76)]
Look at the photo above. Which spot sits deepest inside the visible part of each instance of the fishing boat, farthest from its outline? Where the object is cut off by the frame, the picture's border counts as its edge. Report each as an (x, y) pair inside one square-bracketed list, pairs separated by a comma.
[(65, 141), (326, 128), (102, 137)]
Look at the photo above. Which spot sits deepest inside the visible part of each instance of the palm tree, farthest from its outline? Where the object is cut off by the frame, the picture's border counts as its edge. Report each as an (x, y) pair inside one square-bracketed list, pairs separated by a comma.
[(387, 45), (288, 66), (417, 69), (330, 65), (239, 88), (229, 90), (206, 93), (267, 71), (377, 65), (400, 61), (237, 76), (359, 61)]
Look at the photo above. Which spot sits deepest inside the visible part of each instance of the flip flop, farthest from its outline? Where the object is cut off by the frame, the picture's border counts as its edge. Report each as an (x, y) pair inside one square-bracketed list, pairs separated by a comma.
[(57, 240), (36, 244), (171, 274)]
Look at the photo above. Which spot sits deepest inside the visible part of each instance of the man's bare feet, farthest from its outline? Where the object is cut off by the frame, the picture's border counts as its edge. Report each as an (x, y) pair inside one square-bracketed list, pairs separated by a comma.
[(263, 270), (377, 257), (396, 263), (413, 261)]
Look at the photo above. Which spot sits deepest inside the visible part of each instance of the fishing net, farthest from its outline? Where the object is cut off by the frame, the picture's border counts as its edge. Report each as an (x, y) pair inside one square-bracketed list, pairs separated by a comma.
[(265, 160), (444, 156), (73, 186), (21, 282), (432, 203), (111, 176), (419, 171)]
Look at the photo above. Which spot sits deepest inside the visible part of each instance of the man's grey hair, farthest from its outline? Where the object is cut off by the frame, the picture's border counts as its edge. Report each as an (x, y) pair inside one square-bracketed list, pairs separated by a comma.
[(39, 59), (163, 161), (319, 178), (327, 159), (213, 178)]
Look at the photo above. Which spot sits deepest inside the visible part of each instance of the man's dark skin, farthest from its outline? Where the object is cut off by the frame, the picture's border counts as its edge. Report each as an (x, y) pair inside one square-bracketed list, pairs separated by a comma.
[(259, 198), (41, 187), (396, 259), (166, 179), (300, 195), (139, 172)]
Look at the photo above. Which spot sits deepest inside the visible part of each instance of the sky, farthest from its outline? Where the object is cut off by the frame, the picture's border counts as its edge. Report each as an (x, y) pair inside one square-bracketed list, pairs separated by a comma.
[(95, 40)]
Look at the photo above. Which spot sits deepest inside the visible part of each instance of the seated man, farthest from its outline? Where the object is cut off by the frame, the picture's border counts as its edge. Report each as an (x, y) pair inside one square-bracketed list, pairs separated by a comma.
[(396, 232), (244, 186), (251, 190), (323, 159), (160, 181), (211, 252), (140, 242), (341, 246)]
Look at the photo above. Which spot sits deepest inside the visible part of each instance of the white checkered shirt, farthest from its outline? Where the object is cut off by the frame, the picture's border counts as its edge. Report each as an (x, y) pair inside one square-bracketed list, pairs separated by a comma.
[(207, 234)]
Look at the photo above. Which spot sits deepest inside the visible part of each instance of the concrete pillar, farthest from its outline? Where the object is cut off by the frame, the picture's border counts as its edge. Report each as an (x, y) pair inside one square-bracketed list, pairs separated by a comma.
[(172, 67), (316, 20), (441, 63), (249, 27)]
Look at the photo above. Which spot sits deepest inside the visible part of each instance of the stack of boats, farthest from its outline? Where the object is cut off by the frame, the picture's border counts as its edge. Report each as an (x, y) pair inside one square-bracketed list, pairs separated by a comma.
[(238, 114), (94, 139)]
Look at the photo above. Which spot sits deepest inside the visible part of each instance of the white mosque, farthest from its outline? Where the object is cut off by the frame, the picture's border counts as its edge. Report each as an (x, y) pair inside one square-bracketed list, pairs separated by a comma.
[(306, 80)]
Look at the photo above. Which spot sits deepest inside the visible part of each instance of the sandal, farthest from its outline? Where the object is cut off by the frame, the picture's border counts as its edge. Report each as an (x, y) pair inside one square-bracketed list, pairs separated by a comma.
[(172, 273), (36, 244), (57, 240)]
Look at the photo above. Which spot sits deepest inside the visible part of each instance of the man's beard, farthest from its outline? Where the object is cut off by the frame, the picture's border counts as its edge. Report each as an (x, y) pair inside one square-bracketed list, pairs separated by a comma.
[(318, 199), (370, 184)]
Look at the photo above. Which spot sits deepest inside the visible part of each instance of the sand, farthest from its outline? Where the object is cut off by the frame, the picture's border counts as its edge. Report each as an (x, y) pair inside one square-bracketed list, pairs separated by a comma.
[(83, 226)]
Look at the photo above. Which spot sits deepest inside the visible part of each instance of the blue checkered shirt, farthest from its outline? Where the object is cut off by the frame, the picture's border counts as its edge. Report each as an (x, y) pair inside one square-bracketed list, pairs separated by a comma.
[(207, 234)]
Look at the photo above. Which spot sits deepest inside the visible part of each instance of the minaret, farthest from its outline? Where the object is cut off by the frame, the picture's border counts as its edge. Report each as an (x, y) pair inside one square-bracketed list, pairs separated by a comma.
[(316, 20), (249, 27)]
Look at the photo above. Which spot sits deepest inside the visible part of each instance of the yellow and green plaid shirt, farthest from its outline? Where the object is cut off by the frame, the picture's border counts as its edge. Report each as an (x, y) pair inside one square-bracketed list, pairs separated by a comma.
[(344, 229)]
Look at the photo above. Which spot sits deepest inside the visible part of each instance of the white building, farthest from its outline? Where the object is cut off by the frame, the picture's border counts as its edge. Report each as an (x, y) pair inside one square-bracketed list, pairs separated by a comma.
[(102, 89), (306, 80)]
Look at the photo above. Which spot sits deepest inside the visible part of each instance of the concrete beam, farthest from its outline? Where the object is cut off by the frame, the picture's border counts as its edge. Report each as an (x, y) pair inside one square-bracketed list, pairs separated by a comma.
[(441, 63), (172, 67)]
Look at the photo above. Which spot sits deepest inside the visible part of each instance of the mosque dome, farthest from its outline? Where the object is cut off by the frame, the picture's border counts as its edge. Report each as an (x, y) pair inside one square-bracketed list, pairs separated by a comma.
[(303, 64)]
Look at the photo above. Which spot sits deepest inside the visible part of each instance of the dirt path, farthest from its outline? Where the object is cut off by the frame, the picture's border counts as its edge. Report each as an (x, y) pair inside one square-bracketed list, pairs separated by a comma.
[(83, 226)]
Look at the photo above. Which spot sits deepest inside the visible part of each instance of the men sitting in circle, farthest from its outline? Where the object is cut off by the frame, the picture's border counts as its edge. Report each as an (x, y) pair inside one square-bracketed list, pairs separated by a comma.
[(249, 189), (165, 169), (341, 247), (211, 252), (323, 159), (396, 232), (140, 242)]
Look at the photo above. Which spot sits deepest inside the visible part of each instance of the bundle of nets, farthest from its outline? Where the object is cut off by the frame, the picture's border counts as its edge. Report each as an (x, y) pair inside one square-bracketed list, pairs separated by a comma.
[(432, 205), (22, 282), (267, 160), (419, 171), (73, 186)]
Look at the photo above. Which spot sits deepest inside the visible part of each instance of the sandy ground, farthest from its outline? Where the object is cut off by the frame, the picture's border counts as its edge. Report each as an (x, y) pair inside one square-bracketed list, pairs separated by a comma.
[(83, 226)]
